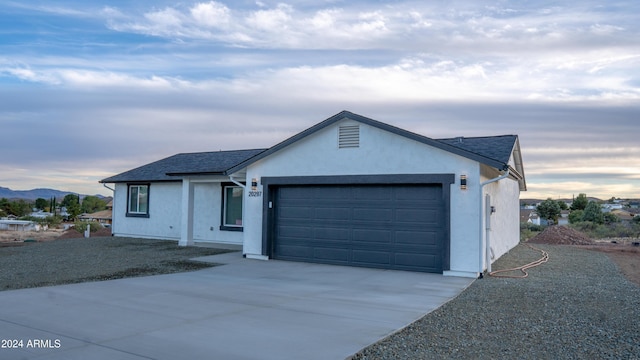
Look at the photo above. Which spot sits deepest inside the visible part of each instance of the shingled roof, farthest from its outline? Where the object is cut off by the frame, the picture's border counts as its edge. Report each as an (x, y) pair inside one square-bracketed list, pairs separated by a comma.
[(498, 148), (494, 151), (493, 147), (500, 163), (170, 169)]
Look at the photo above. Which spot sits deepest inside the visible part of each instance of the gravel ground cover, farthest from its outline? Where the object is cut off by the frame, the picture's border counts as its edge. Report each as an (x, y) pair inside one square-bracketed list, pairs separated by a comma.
[(66, 261), (576, 306)]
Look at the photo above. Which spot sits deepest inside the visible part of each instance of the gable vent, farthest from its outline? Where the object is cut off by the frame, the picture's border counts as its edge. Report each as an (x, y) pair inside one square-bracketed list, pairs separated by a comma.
[(349, 136)]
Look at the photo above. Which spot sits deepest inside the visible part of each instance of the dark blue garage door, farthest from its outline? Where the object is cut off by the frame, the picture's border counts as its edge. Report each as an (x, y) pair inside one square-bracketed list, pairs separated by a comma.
[(398, 227)]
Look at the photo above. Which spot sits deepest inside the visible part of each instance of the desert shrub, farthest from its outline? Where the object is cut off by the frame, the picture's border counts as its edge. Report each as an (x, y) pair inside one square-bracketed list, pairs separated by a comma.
[(584, 226), (600, 231), (534, 227), (610, 218), (575, 216), (52, 221), (81, 226), (529, 230)]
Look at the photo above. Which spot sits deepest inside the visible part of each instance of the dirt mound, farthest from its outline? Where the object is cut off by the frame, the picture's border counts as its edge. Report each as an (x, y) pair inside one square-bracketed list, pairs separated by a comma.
[(561, 235), (73, 233)]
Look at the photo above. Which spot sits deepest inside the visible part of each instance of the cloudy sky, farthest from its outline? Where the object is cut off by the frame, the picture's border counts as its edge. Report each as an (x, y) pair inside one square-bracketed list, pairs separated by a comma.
[(90, 88)]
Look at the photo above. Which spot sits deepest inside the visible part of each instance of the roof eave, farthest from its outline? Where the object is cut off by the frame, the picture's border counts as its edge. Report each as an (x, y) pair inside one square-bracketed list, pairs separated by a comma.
[(199, 173), (131, 181), (517, 158)]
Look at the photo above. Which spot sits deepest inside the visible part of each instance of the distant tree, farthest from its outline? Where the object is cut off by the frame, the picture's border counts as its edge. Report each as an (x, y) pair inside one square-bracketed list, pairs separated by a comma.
[(580, 203), (72, 203), (593, 213), (53, 205), (4, 206), (576, 216), (563, 205), (610, 218), (41, 204), (549, 209), (19, 208), (91, 204)]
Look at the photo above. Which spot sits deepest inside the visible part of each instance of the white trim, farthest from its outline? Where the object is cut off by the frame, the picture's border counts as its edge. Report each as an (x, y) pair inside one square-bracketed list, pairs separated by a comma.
[(465, 274), (186, 228)]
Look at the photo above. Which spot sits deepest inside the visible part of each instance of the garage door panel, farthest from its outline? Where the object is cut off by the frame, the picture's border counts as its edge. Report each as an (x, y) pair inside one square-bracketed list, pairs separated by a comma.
[(372, 236), (320, 193), (296, 212), (392, 227), (338, 213), (418, 192), (418, 215), (416, 237), (417, 260), (372, 258), (295, 232), (294, 193), (369, 193), (332, 254), (293, 252), (331, 234), (373, 214)]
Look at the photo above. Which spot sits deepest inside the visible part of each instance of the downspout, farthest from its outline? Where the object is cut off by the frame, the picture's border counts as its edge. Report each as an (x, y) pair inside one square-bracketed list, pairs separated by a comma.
[(237, 183), (487, 253)]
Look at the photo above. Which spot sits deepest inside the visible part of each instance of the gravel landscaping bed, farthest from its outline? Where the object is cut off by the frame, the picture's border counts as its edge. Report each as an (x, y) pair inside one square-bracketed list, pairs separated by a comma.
[(67, 261), (576, 306)]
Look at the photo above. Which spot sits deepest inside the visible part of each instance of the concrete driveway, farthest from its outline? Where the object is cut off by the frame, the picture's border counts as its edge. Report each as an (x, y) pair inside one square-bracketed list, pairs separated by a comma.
[(246, 309)]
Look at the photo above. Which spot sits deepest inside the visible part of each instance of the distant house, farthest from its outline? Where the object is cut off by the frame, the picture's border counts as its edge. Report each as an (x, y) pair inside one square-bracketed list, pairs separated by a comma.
[(610, 207), (17, 225), (40, 214), (529, 216), (104, 217), (347, 191), (62, 211), (623, 215), (563, 219)]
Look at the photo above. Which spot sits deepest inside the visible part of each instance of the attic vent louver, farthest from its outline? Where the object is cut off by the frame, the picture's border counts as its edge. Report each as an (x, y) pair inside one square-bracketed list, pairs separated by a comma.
[(349, 136)]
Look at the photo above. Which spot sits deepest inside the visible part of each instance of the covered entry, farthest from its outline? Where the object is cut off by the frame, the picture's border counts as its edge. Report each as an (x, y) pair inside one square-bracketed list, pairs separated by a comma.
[(400, 226)]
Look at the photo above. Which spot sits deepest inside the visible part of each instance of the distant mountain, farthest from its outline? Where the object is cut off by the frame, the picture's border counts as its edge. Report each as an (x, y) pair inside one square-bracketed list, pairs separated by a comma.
[(36, 193)]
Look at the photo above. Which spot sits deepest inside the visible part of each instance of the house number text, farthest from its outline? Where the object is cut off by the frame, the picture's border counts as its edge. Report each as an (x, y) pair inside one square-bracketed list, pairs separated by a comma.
[(255, 193)]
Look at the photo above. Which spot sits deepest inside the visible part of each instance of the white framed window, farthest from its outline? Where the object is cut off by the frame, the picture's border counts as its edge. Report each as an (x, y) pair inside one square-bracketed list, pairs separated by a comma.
[(232, 207), (138, 200)]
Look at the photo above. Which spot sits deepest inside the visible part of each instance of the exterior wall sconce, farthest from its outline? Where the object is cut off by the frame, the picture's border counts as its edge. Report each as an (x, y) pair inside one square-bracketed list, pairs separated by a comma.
[(463, 182), (254, 184)]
